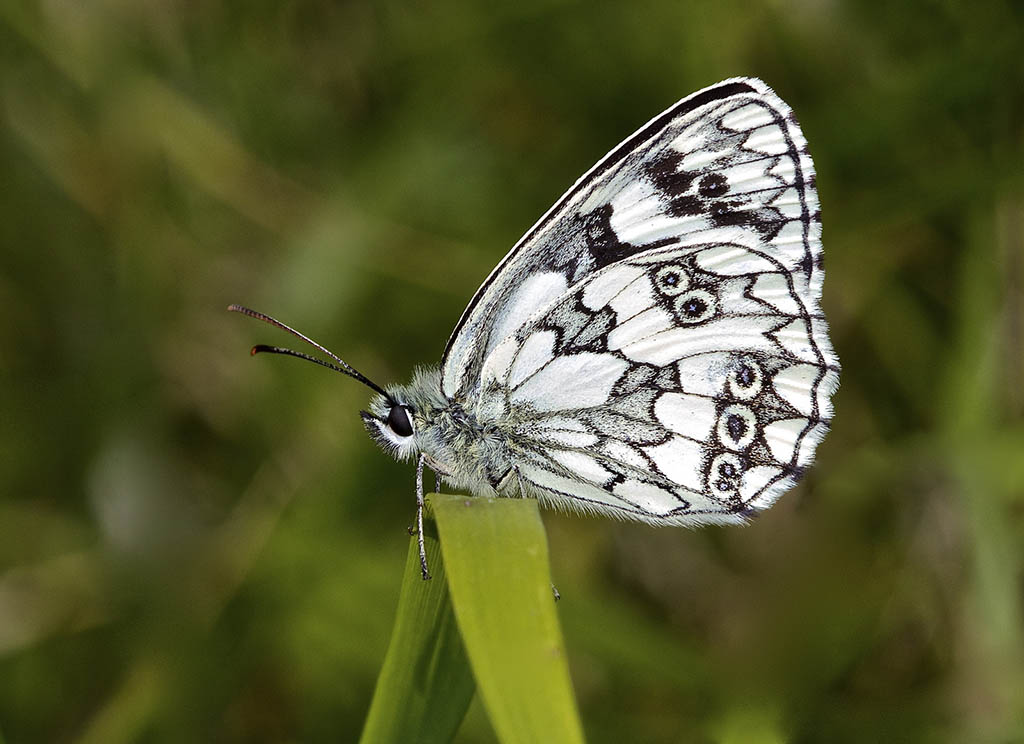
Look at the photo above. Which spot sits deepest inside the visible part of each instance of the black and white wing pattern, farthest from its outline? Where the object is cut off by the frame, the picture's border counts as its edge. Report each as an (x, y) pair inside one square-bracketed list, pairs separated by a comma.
[(655, 343), (680, 385)]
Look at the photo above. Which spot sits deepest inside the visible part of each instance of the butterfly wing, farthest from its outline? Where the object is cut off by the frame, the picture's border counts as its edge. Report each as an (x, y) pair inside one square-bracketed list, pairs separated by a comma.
[(728, 163), (655, 344), (684, 384)]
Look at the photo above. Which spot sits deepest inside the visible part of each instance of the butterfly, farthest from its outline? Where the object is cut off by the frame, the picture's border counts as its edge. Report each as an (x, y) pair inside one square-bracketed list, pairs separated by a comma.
[(653, 348)]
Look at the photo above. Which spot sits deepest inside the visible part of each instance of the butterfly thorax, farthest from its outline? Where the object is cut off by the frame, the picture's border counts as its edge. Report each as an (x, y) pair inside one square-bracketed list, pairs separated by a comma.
[(469, 451)]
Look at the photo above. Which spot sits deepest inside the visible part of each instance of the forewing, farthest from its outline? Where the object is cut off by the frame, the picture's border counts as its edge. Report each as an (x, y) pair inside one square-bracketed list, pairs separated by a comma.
[(683, 384), (725, 165)]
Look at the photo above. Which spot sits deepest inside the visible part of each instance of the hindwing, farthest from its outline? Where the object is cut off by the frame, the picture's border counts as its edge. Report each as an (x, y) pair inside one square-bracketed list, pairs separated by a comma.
[(683, 384)]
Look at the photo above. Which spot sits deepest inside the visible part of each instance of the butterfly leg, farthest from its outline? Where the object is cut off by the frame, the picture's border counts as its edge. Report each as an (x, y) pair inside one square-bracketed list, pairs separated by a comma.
[(419, 518)]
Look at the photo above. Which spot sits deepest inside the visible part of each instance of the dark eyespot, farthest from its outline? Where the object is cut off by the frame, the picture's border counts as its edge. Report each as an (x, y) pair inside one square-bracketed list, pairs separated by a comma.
[(696, 306), (724, 473), (736, 425), (745, 380), (745, 377), (398, 421), (671, 280)]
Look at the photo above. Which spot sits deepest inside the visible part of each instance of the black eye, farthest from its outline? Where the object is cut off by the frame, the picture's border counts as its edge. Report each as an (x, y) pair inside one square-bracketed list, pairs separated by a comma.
[(398, 421)]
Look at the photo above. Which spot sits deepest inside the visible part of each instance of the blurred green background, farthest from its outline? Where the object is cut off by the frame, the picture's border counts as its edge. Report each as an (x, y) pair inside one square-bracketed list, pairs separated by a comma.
[(199, 546)]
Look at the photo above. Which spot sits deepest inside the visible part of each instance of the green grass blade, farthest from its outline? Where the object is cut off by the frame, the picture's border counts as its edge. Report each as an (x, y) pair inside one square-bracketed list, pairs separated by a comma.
[(426, 683), (496, 555)]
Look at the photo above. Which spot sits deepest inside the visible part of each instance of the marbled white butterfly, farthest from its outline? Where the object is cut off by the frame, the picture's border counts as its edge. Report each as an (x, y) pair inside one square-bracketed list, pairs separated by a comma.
[(653, 348)]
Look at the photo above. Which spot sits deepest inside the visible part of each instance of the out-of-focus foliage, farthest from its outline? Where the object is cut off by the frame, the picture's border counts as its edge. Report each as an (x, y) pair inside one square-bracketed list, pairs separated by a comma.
[(199, 546)]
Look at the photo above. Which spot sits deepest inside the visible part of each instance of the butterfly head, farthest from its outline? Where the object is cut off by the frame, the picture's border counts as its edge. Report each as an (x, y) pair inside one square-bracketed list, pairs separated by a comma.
[(392, 423), (403, 418), (390, 420)]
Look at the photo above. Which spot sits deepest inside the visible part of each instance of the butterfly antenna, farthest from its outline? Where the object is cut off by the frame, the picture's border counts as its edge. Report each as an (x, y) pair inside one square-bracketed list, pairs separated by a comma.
[(342, 366)]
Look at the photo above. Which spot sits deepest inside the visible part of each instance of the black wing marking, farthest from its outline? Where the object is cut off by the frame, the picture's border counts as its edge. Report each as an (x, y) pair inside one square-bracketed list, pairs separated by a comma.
[(727, 163)]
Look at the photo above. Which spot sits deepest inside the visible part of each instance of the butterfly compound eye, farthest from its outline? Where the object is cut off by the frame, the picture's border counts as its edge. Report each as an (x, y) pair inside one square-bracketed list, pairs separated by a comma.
[(398, 421)]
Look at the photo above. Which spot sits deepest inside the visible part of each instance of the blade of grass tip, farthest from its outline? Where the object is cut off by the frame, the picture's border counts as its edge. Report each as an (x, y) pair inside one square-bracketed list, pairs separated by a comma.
[(496, 555), (426, 684)]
